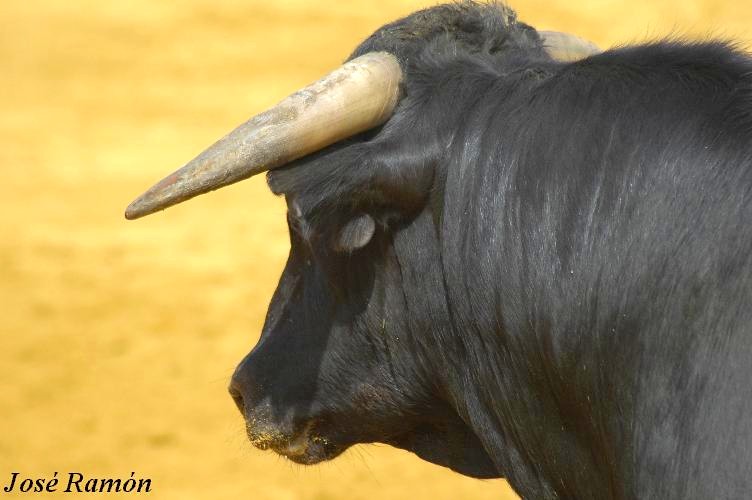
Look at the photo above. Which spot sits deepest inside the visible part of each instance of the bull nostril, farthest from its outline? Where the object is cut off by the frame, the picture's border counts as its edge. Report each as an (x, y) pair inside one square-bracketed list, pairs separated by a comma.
[(237, 396)]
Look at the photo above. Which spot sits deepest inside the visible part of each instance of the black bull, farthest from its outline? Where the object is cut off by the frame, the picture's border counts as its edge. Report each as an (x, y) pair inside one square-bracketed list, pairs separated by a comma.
[(534, 270)]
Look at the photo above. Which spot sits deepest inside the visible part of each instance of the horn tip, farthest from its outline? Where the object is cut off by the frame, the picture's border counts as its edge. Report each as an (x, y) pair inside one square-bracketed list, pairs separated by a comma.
[(137, 209)]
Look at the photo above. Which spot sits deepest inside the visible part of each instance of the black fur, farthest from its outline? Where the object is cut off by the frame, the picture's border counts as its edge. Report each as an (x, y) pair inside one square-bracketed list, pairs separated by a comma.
[(558, 289)]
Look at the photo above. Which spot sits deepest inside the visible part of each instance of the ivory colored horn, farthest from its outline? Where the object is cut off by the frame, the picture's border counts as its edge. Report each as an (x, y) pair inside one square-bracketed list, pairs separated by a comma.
[(566, 47), (357, 96)]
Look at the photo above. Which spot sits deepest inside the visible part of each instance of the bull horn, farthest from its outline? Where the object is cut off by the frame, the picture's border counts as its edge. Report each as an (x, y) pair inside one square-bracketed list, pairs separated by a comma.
[(566, 47), (359, 95)]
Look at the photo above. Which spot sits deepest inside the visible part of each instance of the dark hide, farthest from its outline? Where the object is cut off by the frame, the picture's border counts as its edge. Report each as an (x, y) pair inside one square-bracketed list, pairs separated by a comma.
[(555, 284)]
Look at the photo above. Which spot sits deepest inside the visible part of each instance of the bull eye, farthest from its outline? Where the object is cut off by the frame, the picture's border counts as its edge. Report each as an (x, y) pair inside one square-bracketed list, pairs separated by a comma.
[(299, 225), (355, 234), (295, 209)]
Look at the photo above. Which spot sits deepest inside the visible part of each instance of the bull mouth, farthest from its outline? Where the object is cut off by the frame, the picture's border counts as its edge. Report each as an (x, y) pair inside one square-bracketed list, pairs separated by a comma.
[(307, 446)]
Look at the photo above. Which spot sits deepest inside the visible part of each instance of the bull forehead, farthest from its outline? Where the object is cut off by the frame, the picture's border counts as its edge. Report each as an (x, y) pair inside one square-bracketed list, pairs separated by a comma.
[(473, 25), (453, 18)]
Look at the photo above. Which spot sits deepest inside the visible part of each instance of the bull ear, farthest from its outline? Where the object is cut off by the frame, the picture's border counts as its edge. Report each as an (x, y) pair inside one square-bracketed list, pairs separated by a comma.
[(355, 234)]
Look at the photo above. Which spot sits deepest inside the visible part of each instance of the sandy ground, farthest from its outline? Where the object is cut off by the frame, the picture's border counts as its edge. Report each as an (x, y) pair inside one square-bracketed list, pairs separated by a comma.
[(117, 338)]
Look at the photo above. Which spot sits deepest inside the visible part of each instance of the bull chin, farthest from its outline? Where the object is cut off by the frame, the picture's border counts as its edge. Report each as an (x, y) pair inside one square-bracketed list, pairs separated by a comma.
[(306, 445), (310, 452)]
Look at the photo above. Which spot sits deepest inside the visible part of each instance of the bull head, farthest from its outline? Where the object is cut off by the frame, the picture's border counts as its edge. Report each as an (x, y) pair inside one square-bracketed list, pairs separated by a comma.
[(336, 363)]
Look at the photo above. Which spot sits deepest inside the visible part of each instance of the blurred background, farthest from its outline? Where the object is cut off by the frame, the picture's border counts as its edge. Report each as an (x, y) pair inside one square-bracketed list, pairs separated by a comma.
[(117, 339)]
